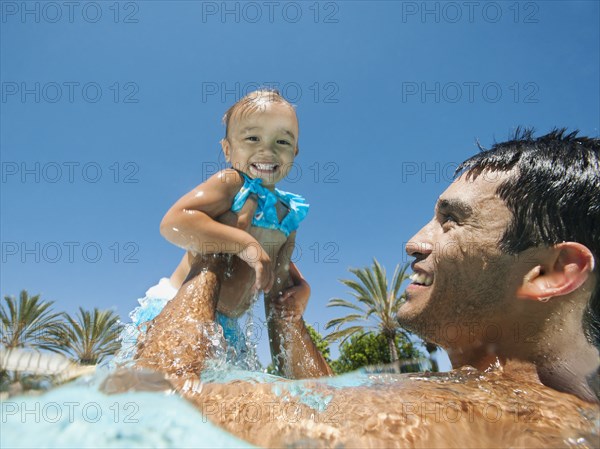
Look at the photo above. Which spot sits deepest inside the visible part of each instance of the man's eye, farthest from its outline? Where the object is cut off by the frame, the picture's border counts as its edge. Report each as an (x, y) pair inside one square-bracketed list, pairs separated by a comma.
[(449, 218)]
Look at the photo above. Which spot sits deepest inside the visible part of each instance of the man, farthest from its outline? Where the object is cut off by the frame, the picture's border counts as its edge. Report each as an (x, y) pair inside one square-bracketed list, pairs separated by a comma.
[(506, 271), (505, 279)]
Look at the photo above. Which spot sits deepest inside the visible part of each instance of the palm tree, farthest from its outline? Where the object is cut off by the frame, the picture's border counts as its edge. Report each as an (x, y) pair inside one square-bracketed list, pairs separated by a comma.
[(90, 337), (375, 303), (29, 323)]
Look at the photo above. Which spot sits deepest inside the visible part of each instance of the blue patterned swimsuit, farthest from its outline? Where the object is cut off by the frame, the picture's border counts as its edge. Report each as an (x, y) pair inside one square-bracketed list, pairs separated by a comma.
[(266, 210)]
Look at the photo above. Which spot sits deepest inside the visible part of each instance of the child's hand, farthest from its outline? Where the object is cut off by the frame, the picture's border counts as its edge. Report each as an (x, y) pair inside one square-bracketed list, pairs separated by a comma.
[(255, 256), (290, 305)]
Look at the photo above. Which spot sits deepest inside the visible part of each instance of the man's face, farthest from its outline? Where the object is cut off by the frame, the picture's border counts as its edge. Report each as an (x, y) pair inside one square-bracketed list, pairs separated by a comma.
[(461, 277)]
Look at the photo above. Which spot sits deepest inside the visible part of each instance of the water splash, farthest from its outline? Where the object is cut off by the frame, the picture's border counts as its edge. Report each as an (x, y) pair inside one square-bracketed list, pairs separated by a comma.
[(237, 350)]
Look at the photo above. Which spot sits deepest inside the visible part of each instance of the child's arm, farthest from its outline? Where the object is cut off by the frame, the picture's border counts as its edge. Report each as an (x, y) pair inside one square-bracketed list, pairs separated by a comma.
[(191, 224), (293, 351)]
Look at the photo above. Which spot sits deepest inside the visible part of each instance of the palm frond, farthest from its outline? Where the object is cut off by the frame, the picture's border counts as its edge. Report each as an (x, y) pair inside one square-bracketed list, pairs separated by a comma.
[(399, 277), (375, 302), (381, 281), (339, 302), (337, 322), (366, 277), (344, 334), (359, 290), (26, 323), (90, 337)]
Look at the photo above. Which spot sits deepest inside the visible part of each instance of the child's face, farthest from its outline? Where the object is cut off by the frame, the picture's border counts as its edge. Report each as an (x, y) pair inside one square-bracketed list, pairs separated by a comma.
[(263, 143)]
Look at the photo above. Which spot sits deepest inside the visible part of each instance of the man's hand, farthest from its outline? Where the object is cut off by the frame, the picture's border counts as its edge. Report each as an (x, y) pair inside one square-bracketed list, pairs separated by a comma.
[(290, 305), (293, 351), (258, 259)]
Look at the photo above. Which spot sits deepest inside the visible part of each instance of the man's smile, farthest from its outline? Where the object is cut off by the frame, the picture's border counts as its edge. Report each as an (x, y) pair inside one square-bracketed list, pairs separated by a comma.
[(421, 279)]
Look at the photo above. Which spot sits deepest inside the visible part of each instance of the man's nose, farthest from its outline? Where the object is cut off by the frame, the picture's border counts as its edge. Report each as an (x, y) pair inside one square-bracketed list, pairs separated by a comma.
[(420, 244)]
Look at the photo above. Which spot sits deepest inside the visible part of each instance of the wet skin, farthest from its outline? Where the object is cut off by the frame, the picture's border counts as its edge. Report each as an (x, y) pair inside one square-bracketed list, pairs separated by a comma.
[(486, 307), (237, 288), (179, 339), (470, 283), (458, 249), (461, 409), (261, 143)]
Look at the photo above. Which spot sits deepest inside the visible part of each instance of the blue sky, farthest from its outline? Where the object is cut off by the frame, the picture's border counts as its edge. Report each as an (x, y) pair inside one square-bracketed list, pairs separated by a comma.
[(111, 111)]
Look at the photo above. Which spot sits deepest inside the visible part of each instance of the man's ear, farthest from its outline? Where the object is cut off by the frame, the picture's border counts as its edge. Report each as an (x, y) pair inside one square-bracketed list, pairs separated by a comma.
[(567, 267), (226, 148)]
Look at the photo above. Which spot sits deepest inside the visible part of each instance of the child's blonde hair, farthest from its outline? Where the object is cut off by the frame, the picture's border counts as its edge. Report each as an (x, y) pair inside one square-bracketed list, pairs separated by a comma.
[(253, 102)]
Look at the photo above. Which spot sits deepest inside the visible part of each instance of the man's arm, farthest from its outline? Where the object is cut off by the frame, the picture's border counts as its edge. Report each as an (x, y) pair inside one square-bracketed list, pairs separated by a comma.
[(293, 351)]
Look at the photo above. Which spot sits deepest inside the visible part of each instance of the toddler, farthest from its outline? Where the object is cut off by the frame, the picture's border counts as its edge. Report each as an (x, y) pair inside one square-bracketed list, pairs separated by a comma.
[(240, 227)]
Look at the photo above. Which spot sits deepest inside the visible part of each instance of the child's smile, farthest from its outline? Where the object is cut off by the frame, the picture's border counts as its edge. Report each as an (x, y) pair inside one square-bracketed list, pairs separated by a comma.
[(263, 169), (263, 143)]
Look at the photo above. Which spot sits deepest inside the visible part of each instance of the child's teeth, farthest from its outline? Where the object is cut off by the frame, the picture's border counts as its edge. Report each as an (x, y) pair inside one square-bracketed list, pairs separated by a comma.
[(265, 166)]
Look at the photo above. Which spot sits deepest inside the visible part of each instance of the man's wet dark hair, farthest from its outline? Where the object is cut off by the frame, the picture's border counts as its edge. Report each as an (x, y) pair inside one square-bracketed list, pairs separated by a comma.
[(553, 195)]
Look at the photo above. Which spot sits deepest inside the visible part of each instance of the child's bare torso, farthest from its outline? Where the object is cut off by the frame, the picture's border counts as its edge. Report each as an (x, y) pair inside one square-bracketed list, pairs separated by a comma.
[(236, 293)]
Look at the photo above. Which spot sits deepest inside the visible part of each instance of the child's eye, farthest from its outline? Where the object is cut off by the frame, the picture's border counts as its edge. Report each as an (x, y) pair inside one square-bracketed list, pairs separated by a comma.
[(283, 142), (252, 138)]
